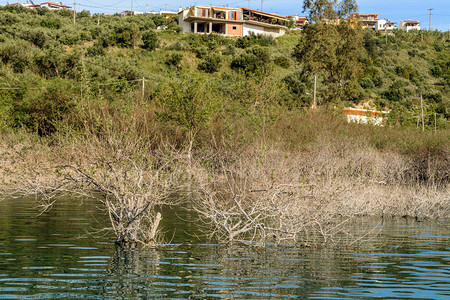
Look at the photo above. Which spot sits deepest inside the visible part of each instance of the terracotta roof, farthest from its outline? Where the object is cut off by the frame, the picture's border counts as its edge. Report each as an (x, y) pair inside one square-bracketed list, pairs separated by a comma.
[(53, 3), (411, 21), (367, 14)]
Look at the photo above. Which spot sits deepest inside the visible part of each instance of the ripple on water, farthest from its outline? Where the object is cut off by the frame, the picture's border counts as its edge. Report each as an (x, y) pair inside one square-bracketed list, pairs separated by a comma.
[(38, 268), (413, 263)]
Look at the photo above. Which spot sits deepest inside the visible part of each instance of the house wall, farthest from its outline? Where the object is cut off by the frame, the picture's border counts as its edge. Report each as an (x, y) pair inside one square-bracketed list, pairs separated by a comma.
[(186, 25), (275, 32), (247, 28), (408, 28), (237, 31)]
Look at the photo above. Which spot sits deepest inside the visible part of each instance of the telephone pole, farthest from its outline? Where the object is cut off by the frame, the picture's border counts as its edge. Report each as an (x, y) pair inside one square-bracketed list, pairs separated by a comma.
[(429, 25), (315, 89), (74, 12), (421, 112)]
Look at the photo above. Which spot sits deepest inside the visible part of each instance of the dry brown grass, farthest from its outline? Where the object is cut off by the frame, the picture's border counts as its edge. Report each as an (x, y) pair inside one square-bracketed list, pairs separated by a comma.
[(311, 198), (301, 179)]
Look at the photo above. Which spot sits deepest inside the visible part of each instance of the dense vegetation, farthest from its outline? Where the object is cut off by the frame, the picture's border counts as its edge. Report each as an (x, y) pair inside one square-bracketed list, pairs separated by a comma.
[(117, 97), (53, 64)]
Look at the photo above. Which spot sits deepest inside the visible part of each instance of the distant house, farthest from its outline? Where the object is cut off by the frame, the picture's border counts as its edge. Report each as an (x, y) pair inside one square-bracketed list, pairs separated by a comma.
[(367, 20), (49, 5), (168, 14), (385, 26), (53, 6), (299, 21), (231, 21), (364, 116), (131, 13), (409, 25)]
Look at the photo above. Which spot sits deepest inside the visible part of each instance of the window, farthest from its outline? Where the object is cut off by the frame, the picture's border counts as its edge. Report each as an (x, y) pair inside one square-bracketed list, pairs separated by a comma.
[(202, 12), (234, 28), (234, 15)]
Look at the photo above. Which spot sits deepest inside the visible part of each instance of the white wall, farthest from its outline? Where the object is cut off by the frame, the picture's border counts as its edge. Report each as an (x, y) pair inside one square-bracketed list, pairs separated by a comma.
[(408, 28), (247, 28), (186, 25)]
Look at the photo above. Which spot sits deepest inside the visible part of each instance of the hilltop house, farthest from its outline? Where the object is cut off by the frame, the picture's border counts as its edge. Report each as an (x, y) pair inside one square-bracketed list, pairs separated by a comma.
[(385, 26), (299, 21), (367, 20), (231, 21), (409, 25), (49, 5), (53, 6)]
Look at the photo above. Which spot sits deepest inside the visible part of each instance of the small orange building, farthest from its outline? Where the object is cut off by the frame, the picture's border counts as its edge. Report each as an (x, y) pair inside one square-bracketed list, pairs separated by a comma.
[(364, 116)]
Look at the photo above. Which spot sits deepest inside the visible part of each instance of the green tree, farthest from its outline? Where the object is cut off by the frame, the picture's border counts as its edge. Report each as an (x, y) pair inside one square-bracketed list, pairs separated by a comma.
[(332, 51), (323, 10), (188, 104)]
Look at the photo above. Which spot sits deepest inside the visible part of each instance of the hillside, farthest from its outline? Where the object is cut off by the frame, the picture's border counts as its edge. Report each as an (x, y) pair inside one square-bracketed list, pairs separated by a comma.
[(53, 64)]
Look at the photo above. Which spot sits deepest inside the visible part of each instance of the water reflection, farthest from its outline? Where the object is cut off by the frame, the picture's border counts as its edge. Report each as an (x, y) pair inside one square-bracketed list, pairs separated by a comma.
[(53, 257)]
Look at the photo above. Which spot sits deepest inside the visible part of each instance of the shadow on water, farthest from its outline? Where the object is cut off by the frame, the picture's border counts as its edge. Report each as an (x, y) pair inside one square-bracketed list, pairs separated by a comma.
[(53, 256)]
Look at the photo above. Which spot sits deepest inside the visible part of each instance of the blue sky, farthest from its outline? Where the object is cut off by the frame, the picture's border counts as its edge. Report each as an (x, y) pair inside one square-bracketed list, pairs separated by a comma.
[(394, 10)]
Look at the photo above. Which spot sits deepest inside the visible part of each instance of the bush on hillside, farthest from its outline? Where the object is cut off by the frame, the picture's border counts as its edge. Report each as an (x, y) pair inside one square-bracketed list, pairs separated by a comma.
[(174, 60), (211, 63), (150, 40), (254, 61), (282, 61)]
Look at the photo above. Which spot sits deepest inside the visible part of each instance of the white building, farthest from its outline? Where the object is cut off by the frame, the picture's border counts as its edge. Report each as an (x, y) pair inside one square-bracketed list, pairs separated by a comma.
[(131, 13), (409, 25), (49, 5), (364, 116), (385, 26), (53, 6)]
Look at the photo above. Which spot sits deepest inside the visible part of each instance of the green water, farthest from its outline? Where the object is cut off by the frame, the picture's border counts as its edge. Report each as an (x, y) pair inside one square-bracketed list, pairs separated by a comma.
[(65, 254)]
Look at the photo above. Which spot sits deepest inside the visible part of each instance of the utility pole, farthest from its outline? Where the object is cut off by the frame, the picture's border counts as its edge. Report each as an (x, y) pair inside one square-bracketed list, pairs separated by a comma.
[(74, 12), (131, 7), (421, 111), (82, 76), (248, 3), (261, 4), (429, 25), (143, 87), (435, 123), (146, 8), (315, 88), (385, 31)]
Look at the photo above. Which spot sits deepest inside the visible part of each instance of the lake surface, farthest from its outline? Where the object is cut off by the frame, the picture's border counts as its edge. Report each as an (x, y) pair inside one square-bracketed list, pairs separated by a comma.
[(64, 254)]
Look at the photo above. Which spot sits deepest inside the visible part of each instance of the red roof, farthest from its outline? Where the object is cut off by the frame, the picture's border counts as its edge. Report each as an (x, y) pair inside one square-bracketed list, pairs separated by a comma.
[(53, 3), (411, 21), (366, 14)]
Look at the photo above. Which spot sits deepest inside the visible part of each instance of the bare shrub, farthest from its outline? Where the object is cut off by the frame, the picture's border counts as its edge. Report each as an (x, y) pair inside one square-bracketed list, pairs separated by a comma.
[(122, 173), (310, 198)]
